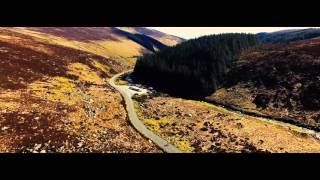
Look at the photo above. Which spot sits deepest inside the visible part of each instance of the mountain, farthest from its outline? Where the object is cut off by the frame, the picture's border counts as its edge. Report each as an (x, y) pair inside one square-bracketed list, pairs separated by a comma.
[(279, 80), (164, 38), (104, 41), (289, 35), (54, 94), (194, 68)]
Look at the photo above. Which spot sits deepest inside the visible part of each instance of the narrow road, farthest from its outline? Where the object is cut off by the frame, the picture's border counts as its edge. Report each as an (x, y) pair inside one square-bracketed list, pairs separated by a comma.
[(127, 93), (138, 125)]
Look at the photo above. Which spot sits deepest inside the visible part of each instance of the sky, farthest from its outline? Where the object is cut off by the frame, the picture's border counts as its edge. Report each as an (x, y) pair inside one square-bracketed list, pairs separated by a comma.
[(193, 32)]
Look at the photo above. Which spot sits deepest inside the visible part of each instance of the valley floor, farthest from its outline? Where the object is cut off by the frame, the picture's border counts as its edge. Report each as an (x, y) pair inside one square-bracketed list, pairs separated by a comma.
[(194, 126)]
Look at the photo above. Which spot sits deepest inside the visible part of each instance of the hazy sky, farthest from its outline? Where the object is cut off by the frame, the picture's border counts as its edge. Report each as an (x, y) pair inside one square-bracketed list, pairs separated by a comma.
[(192, 32)]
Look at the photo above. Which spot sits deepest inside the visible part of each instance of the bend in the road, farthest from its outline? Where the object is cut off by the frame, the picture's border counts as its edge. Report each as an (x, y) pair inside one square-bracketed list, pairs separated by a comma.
[(138, 125)]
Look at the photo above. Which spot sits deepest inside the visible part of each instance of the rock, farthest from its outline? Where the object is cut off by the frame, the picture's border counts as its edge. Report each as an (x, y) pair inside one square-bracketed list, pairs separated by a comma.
[(43, 151), (190, 128), (178, 113), (37, 146), (4, 128), (317, 135), (310, 97), (206, 123), (239, 125), (80, 144), (36, 118), (261, 100)]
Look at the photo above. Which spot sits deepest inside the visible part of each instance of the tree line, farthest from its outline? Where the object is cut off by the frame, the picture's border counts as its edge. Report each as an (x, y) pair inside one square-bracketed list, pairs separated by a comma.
[(194, 68)]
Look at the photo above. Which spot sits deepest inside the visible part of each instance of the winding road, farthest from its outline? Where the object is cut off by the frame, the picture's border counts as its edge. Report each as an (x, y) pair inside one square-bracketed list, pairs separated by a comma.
[(127, 94)]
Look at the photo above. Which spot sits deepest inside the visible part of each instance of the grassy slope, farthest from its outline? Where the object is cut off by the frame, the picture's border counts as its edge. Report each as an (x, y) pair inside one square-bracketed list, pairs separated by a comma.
[(119, 48), (54, 96)]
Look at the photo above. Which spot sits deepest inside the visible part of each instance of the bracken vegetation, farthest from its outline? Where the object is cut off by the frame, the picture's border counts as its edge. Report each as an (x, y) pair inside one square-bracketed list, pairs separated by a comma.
[(54, 91), (194, 126), (282, 80)]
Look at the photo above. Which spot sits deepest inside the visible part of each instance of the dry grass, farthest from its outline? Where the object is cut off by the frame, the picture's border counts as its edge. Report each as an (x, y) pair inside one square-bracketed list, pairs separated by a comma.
[(122, 49), (58, 89), (208, 128), (54, 98), (236, 95), (84, 73), (155, 125)]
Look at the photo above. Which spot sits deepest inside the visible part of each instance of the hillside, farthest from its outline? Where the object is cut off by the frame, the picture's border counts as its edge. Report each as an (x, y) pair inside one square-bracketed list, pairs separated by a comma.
[(256, 87), (54, 95), (289, 35), (108, 42), (194, 68), (281, 80), (164, 38)]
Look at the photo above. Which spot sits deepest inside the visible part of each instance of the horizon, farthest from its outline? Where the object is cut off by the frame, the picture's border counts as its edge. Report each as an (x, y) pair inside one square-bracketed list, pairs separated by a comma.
[(194, 32)]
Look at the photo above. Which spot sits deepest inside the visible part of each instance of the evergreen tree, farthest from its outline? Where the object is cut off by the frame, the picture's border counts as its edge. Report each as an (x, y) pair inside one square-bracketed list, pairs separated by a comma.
[(194, 68)]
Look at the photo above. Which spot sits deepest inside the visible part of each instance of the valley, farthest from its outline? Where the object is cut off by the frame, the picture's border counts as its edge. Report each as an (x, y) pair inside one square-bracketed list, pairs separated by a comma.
[(200, 127), (268, 85), (138, 90), (55, 95)]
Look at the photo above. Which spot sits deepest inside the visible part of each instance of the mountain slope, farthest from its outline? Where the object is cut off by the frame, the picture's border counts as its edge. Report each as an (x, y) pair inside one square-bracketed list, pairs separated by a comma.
[(108, 42), (194, 68), (281, 80), (289, 35), (54, 95), (164, 38)]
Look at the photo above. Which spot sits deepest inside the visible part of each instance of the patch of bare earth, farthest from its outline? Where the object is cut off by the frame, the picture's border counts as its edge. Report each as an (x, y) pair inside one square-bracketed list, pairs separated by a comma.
[(195, 126)]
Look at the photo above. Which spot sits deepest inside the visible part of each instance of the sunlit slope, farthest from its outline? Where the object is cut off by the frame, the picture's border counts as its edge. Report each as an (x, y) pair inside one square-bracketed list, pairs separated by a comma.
[(55, 97), (90, 40)]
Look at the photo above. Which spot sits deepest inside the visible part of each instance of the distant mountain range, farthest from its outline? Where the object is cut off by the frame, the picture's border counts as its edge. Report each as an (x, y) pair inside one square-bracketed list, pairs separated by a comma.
[(288, 35)]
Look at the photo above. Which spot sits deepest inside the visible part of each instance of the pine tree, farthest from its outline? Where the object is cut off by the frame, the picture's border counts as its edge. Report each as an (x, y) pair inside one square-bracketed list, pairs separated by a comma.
[(194, 68)]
